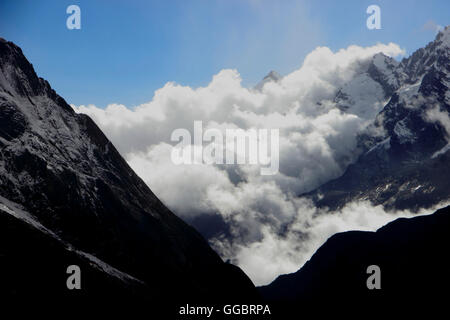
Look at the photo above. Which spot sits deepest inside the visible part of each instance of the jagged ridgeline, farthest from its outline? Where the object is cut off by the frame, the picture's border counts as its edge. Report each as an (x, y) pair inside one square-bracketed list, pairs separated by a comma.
[(404, 165), (68, 197), (404, 156)]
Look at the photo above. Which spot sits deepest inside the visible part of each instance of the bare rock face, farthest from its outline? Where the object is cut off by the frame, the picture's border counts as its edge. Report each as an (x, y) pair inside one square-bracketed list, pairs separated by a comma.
[(404, 156), (60, 169), (404, 164)]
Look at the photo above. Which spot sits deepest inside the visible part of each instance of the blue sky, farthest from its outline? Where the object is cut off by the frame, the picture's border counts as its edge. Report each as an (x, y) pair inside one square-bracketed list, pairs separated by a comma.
[(126, 50)]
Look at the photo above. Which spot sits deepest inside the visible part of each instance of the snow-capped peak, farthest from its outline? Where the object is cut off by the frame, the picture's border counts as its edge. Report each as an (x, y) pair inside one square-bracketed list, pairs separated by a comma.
[(443, 37), (272, 76)]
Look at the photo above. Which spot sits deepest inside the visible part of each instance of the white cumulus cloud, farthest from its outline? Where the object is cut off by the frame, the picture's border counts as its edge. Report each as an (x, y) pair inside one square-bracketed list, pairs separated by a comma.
[(317, 143)]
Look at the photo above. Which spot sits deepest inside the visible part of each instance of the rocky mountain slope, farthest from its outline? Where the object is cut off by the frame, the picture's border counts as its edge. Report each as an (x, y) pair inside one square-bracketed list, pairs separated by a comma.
[(404, 158), (403, 164), (412, 255), (67, 195)]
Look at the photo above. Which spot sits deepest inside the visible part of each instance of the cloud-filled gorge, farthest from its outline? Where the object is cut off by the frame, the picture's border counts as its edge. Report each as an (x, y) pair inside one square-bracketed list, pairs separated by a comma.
[(267, 228)]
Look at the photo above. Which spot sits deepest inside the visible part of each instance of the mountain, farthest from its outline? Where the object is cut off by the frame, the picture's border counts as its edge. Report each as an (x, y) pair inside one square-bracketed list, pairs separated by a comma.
[(68, 197), (412, 255), (365, 94), (403, 156), (402, 163), (272, 76)]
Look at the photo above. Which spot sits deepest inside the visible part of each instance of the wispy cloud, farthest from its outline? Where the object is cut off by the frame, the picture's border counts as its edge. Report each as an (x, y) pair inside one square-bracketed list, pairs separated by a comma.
[(432, 26)]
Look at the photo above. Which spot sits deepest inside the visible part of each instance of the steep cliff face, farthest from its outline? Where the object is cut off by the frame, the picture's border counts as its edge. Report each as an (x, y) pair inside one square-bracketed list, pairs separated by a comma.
[(59, 168), (404, 154)]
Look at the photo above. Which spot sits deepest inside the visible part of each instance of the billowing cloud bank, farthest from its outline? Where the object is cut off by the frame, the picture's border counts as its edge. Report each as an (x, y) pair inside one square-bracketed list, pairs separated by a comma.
[(270, 230)]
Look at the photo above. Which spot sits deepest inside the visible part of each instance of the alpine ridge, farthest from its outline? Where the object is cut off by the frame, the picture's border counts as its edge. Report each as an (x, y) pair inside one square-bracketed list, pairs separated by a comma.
[(68, 197), (403, 156)]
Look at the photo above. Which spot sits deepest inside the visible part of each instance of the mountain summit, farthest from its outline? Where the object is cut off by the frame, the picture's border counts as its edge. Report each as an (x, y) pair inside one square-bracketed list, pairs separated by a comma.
[(272, 76), (404, 156), (404, 164), (67, 196)]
